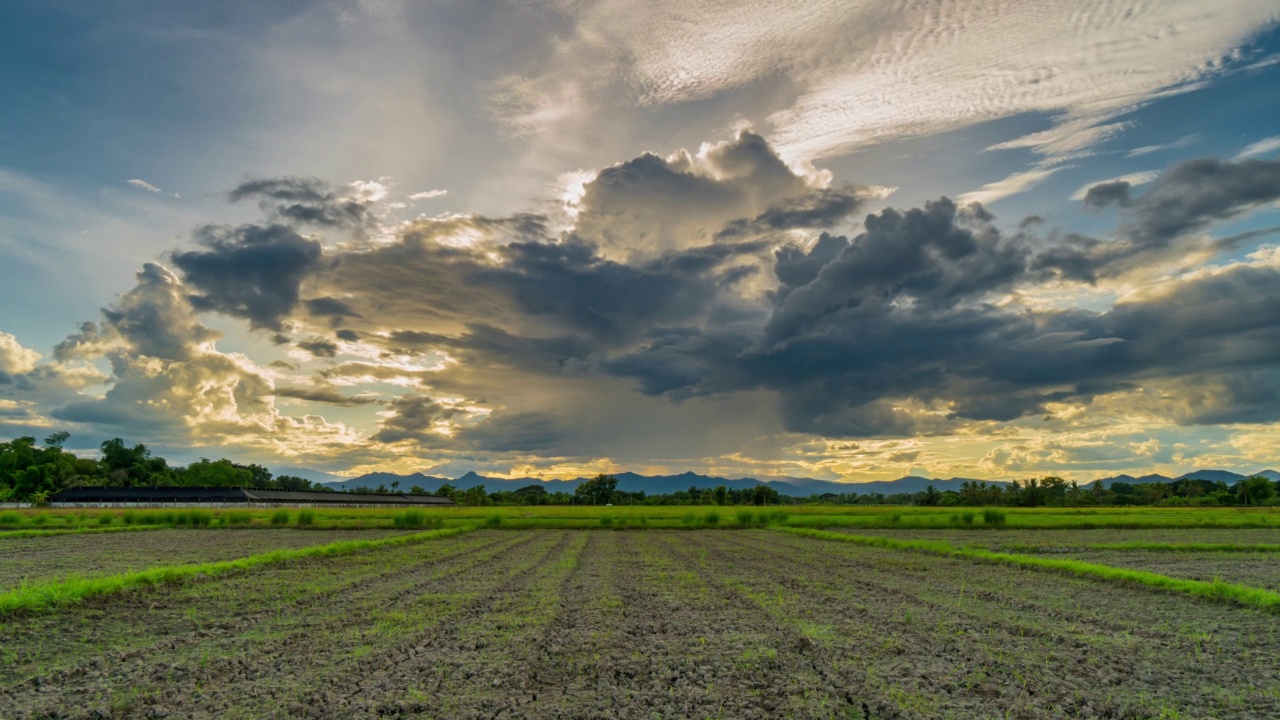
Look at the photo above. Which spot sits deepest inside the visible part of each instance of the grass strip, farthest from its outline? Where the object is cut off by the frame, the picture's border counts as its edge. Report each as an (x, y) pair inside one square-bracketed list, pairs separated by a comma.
[(78, 531), (1217, 591), (50, 596), (1151, 547)]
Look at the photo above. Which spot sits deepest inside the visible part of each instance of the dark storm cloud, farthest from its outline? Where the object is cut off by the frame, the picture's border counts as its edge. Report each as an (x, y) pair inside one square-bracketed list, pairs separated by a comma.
[(304, 201), (895, 332), (820, 209), (416, 418), (1195, 194), (251, 271), (327, 306), (513, 432), (605, 299), (326, 395), (154, 318), (320, 348), (1107, 194)]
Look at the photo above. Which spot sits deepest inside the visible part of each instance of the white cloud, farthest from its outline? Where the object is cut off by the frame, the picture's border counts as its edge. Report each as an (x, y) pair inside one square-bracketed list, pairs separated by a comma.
[(865, 72), (1011, 185), (15, 359), (428, 194), (1265, 146), (1184, 141), (144, 185)]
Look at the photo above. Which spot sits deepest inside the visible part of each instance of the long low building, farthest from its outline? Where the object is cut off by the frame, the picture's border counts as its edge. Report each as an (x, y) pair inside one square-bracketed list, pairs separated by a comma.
[(174, 496)]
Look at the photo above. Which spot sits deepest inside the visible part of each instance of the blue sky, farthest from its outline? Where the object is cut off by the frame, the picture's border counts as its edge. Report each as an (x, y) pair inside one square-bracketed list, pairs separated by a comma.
[(381, 234)]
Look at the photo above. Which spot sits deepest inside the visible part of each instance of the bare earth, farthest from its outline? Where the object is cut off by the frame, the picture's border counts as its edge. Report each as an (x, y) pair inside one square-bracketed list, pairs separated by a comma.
[(656, 624)]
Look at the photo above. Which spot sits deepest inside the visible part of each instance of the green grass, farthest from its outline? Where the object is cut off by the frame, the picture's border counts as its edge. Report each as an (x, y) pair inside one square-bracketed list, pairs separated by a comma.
[(76, 531), (280, 517), (674, 516), (1217, 590), (50, 596)]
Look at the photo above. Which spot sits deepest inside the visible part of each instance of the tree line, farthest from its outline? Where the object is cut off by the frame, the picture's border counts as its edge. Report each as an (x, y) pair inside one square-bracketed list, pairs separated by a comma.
[(30, 472), (1056, 492)]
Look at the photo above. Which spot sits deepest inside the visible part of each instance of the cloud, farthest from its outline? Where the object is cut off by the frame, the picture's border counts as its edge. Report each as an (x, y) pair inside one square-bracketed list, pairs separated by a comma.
[(727, 190), (1191, 196), (756, 315), (309, 201), (251, 271), (1130, 180), (1265, 146), (144, 185), (428, 194), (1182, 142), (1012, 185), (14, 358)]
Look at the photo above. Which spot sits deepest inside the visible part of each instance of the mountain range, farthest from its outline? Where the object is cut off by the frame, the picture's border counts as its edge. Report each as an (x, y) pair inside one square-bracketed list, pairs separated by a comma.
[(663, 484)]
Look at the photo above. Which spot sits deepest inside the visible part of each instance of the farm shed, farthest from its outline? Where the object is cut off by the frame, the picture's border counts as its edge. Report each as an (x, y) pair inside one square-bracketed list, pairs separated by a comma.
[(233, 497)]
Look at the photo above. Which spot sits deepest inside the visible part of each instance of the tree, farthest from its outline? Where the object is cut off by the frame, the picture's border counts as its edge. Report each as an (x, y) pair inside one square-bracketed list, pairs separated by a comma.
[(58, 439), (764, 495), (219, 473), (395, 485), (598, 490), (930, 497), (1255, 490), (721, 494), (129, 466)]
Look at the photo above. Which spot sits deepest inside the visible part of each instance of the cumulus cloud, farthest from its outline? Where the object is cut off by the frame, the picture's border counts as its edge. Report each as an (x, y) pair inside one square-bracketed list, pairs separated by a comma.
[(14, 358), (724, 191), (755, 308)]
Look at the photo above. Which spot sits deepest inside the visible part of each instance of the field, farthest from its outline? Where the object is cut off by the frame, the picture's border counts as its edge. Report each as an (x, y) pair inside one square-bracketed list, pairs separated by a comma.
[(649, 616)]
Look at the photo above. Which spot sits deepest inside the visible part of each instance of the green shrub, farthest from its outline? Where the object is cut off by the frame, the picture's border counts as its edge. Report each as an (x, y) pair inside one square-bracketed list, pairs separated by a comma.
[(773, 517), (606, 521), (280, 517), (236, 517), (104, 519), (968, 516), (895, 518), (410, 518), (712, 517), (745, 517), (10, 518), (40, 519), (689, 520), (306, 517), (129, 517), (493, 520), (992, 516), (200, 518)]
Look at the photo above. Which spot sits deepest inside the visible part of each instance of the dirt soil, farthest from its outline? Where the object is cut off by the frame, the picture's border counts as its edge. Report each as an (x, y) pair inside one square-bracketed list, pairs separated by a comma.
[(654, 624), (1000, 539), (42, 559), (1254, 569)]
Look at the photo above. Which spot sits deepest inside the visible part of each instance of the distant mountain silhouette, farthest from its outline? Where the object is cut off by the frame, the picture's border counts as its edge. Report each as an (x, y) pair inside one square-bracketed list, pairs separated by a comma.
[(791, 486), (651, 484)]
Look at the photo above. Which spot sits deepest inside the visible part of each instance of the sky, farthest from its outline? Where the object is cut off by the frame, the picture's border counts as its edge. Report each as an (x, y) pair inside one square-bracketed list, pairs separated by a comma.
[(838, 239)]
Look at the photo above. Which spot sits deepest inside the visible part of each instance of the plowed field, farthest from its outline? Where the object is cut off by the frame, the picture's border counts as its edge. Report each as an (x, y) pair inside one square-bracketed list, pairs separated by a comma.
[(653, 624)]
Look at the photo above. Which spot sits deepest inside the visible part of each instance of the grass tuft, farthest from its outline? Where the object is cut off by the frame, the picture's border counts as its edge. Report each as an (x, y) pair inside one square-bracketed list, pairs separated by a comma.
[(306, 517)]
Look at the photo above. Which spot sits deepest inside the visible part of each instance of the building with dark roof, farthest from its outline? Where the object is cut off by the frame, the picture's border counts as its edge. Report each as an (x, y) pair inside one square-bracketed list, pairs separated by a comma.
[(219, 497)]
